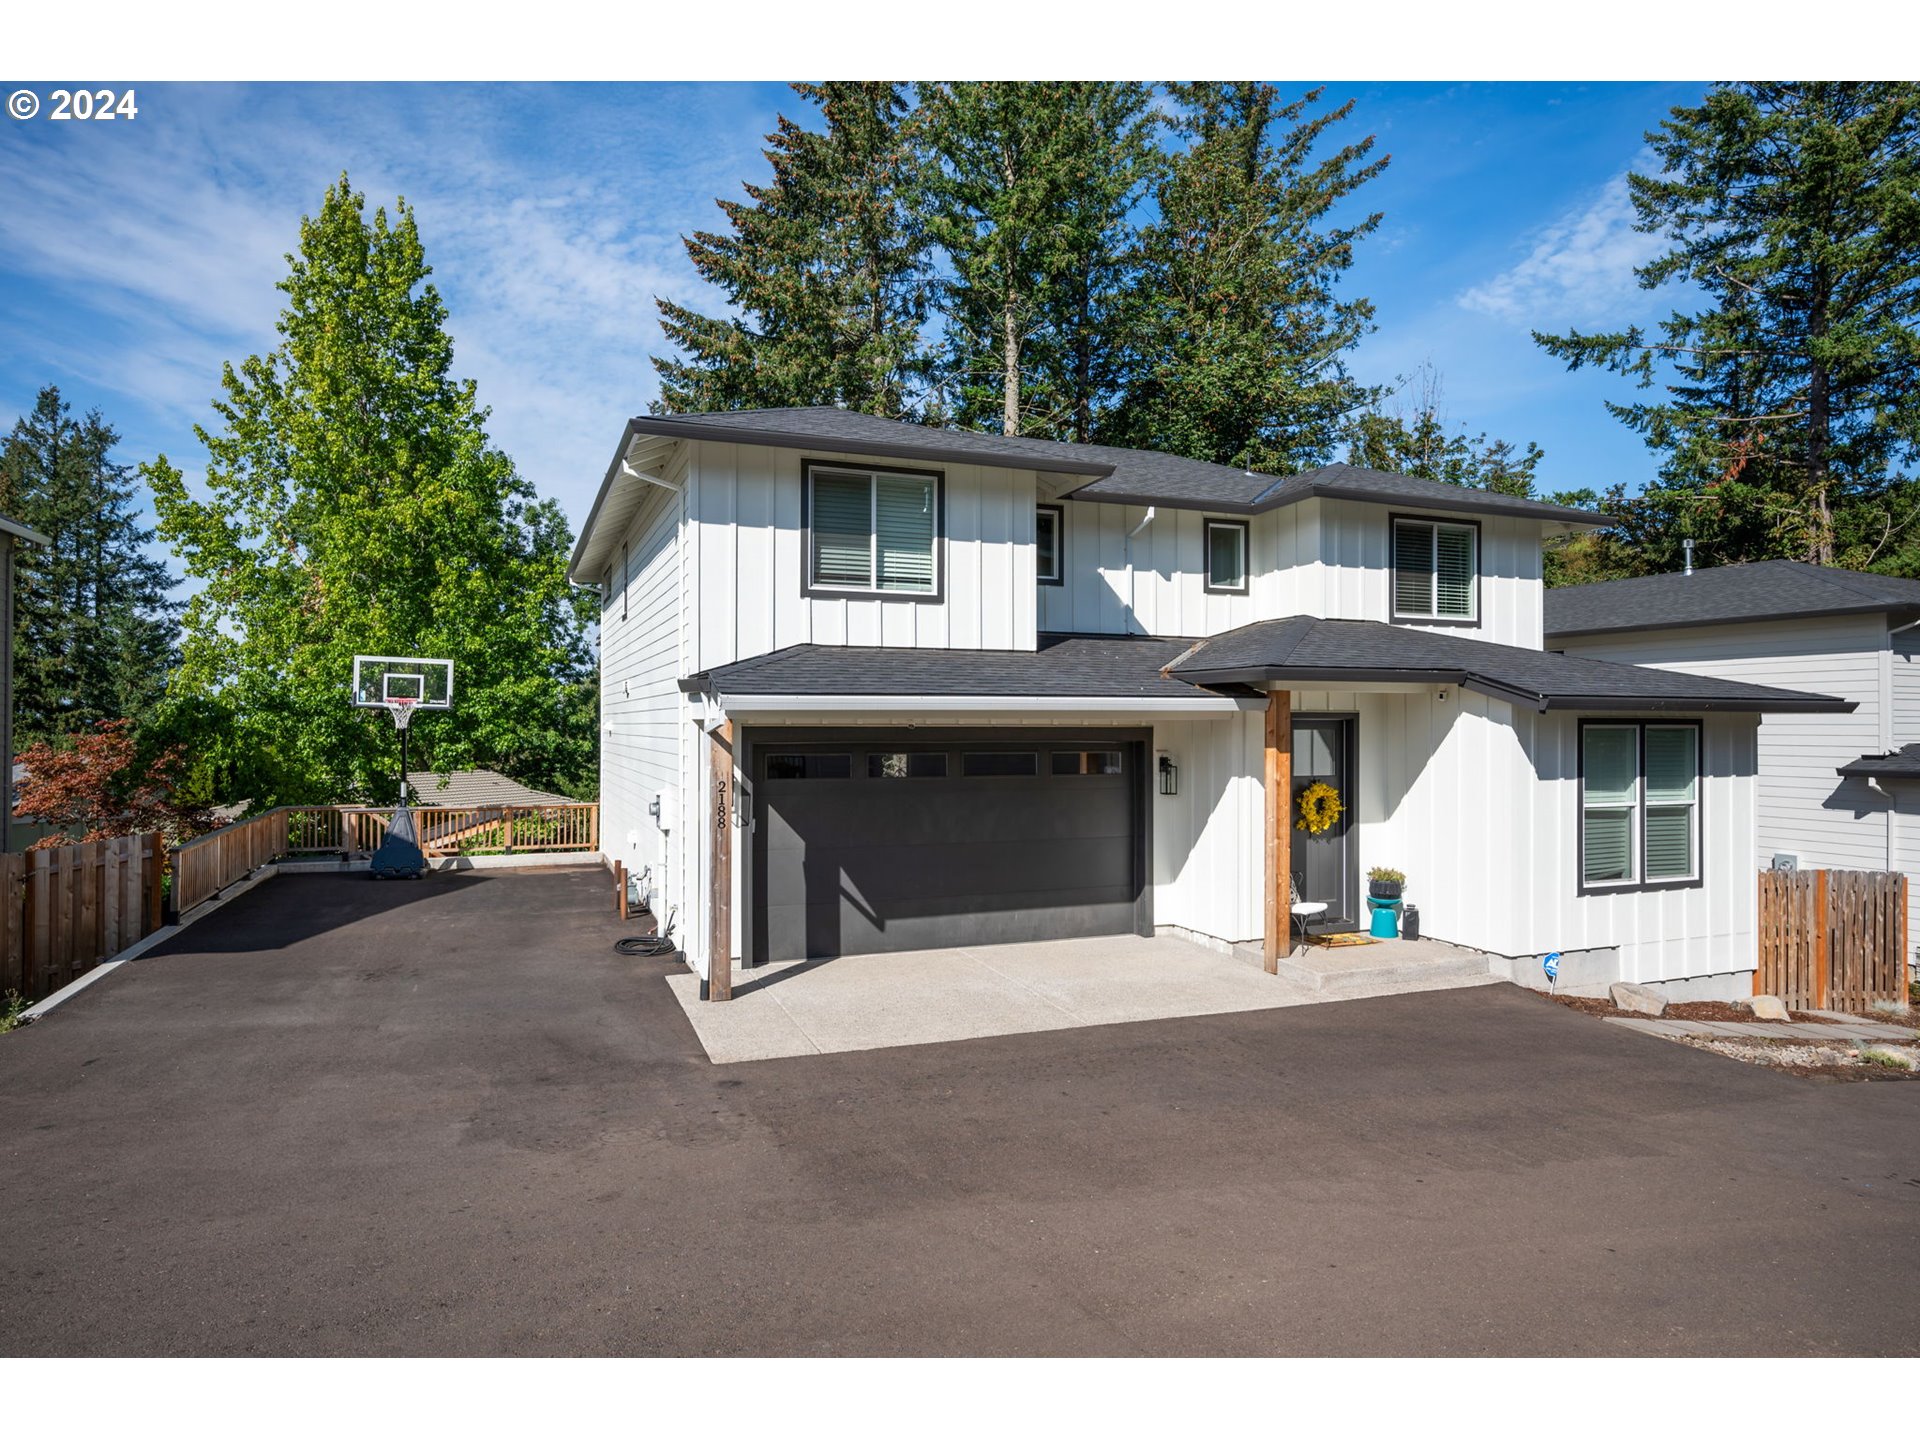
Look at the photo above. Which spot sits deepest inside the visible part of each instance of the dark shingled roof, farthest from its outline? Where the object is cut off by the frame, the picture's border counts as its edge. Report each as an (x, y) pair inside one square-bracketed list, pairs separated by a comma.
[(1115, 475), (1901, 764), (1763, 590), (1063, 665), (1303, 649), (475, 788)]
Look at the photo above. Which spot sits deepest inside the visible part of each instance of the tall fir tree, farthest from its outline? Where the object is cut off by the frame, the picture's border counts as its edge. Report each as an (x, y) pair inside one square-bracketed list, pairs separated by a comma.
[(1240, 354), (1414, 438), (1033, 192), (826, 267), (353, 504), (1790, 421), (93, 624)]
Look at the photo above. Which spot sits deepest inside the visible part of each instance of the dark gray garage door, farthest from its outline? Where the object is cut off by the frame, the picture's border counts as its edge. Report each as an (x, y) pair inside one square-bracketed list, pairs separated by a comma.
[(911, 841)]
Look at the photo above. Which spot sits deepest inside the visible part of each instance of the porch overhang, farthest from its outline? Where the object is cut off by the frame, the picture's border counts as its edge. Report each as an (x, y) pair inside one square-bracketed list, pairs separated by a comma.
[(1307, 651)]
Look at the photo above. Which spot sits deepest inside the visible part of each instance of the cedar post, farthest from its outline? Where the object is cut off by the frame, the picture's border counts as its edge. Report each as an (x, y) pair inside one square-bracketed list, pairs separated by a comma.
[(1279, 837), (620, 889), (720, 901), (1821, 960)]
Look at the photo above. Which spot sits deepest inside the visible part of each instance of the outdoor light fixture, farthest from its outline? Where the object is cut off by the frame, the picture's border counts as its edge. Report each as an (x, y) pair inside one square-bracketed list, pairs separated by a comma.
[(1169, 776)]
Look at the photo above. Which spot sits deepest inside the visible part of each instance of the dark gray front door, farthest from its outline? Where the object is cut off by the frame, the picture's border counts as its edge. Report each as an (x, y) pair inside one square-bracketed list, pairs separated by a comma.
[(910, 841), (1324, 865)]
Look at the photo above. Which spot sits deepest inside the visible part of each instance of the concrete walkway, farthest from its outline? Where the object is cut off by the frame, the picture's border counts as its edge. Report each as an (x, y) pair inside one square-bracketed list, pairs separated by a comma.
[(871, 1002), (1848, 1028)]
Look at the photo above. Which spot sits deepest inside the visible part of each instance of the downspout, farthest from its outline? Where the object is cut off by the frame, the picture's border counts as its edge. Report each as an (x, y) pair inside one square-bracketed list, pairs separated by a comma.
[(1133, 599), (1886, 742)]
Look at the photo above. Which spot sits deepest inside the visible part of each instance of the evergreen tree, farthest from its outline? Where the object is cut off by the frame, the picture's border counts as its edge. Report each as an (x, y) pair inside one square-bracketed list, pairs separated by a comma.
[(826, 267), (1417, 442), (93, 625), (353, 504), (1791, 415), (1240, 355), (1033, 191)]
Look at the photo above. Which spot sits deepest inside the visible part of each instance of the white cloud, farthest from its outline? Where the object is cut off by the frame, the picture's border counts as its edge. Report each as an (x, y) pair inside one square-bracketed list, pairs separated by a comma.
[(1579, 270)]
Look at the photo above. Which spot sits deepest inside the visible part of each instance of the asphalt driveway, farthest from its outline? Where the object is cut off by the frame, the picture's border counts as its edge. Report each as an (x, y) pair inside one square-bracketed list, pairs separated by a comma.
[(443, 1118)]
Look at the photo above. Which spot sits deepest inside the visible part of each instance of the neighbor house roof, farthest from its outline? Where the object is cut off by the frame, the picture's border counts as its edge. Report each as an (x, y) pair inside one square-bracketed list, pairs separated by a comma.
[(1071, 666), (1901, 764), (1112, 474), (1306, 650), (1725, 594), (465, 788)]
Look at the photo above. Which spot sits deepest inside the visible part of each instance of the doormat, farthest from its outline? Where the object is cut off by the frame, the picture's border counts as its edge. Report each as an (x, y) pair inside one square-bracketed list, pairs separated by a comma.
[(1350, 937)]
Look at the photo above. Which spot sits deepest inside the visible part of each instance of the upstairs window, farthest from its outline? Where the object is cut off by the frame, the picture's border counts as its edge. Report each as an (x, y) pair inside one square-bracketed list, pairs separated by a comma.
[(1049, 533), (1436, 571), (1639, 804), (875, 531), (1226, 544)]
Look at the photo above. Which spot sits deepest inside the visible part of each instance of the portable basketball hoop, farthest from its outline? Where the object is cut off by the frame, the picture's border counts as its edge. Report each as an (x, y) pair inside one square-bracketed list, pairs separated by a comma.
[(402, 686)]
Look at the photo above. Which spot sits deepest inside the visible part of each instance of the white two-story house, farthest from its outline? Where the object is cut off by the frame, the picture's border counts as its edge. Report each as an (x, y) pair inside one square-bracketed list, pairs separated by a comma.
[(874, 687)]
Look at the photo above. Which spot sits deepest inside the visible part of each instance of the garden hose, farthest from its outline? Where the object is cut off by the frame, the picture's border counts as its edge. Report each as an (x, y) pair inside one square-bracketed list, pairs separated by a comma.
[(648, 945)]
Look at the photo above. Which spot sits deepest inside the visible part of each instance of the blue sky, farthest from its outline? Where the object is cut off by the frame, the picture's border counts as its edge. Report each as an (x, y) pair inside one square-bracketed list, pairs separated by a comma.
[(137, 256)]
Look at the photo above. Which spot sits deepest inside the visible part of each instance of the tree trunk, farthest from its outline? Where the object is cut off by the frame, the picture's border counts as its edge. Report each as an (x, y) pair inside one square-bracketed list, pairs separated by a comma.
[(1010, 363), (1820, 424)]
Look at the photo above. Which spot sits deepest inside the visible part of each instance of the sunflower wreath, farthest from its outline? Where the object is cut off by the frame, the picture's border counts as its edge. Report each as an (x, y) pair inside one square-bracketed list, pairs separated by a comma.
[(1320, 808)]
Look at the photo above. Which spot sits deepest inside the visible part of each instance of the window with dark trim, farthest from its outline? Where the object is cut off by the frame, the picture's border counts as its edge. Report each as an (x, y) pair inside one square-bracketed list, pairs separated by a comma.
[(985, 763), (872, 531), (907, 765), (1226, 545), (1639, 804), (1049, 544), (1086, 762), (1436, 571), (809, 767)]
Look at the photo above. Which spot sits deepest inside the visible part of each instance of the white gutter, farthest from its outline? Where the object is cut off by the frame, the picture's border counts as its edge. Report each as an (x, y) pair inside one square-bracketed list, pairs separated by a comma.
[(737, 706)]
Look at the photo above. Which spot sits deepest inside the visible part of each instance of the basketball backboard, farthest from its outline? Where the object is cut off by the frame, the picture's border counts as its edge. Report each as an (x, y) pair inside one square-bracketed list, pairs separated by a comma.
[(379, 680)]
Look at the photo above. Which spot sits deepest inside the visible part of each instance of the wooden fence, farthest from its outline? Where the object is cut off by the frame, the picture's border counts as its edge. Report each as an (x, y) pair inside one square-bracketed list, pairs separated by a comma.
[(205, 866), (63, 910), (1832, 938)]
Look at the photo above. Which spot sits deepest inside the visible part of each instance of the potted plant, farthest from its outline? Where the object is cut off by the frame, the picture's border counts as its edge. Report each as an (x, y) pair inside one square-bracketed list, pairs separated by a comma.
[(1384, 883)]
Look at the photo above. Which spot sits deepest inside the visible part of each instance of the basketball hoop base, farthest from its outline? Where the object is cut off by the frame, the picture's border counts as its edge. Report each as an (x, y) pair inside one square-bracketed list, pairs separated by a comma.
[(399, 854)]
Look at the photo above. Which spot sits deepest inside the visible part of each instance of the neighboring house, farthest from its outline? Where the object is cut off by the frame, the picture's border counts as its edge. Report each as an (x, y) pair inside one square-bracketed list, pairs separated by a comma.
[(475, 789), (869, 686), (1836, 791)]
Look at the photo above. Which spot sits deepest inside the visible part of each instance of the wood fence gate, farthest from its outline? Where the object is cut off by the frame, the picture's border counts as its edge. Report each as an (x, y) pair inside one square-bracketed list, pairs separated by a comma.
[(1832, 939), (65, 909)]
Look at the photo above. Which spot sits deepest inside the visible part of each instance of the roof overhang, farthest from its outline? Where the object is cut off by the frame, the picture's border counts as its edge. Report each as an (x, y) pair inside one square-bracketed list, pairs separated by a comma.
[(919, 707), (23, 532), (633, 471), (1894, 612)]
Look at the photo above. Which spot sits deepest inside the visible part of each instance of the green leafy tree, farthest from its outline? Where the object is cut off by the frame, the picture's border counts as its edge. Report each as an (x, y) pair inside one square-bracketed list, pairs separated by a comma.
[(1240, 354), (1790, 415), (93, 625), (1032, 194), (826, 268), (353, 504)]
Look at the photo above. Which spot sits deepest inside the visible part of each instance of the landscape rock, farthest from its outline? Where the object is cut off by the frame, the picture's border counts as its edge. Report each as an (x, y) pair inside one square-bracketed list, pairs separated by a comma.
[(1767, 1007), (1640, 999)]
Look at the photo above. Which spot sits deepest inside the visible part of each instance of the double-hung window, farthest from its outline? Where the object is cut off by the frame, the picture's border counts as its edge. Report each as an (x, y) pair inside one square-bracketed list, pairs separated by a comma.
[(1639, 804), (874, 531), (1436, 571)]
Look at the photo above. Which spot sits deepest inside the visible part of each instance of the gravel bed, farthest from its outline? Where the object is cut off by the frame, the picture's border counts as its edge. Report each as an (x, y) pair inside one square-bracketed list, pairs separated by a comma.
[(1836, 1061)]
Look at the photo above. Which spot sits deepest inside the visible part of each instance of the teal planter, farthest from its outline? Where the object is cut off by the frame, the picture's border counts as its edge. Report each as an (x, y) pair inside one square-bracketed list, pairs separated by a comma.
[(1386, 918)]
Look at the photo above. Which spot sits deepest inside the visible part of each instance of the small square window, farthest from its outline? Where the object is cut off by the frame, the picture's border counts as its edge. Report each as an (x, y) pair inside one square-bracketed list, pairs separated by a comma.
[(986, 763), (1226, 544), (907, 765), (1049, 555), (1086, 762)]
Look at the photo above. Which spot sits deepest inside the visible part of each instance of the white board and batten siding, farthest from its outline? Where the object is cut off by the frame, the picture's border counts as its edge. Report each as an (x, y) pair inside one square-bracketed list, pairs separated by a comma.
[(642, 713), (1329, 558)]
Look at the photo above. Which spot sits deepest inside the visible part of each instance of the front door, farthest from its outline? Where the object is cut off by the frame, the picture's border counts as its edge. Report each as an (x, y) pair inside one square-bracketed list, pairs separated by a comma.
[(1324, 865)]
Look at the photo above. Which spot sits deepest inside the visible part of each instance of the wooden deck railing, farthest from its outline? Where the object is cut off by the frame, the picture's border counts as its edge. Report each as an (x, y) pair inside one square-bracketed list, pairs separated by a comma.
[(205, 866), (65, 909)]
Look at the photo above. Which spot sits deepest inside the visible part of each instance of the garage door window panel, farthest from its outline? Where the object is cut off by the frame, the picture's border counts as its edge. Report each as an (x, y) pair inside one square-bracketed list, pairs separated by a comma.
[(1086, 762), (984, 764), (907, 765)]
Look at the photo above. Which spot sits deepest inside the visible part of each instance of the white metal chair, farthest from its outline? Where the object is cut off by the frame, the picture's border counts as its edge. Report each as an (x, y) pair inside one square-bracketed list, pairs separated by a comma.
[(1302, 912)]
